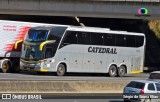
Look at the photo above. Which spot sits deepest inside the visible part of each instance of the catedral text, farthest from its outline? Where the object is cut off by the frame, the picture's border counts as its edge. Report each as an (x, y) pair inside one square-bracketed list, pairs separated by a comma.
[(102, 50)]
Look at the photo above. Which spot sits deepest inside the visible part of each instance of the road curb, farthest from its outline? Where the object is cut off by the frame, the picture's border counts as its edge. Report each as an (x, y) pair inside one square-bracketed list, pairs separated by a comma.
[(62, 86)]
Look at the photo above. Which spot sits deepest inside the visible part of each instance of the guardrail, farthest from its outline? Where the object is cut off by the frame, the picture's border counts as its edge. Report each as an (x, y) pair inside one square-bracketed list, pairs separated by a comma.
[(130, 0), (95, 0)]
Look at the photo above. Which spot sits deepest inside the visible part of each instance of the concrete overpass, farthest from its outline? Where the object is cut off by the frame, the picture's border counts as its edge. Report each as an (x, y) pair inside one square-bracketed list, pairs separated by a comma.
[(82, 8)]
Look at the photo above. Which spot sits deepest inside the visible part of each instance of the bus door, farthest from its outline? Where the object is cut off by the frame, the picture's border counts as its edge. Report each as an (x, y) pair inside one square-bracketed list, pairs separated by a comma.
[(49, 52)]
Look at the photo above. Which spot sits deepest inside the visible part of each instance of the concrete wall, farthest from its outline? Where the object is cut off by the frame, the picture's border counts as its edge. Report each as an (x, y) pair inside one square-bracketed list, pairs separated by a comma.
[(62, 86), (82, 8)]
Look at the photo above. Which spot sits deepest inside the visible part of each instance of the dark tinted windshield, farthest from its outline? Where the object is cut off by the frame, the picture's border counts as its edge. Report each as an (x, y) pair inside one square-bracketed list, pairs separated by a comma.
[(154, 76), (138, 85), (36, 35), (32, 53)]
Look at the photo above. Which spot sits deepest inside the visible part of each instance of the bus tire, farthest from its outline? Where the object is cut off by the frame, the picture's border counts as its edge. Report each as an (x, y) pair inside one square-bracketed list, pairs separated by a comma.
[(121, 71), (112, 71), (61, 70), (6, 66)]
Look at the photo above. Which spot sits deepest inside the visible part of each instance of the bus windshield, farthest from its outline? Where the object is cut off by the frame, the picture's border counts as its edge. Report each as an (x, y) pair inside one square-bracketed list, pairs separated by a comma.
[(36, 35), (32, 53)]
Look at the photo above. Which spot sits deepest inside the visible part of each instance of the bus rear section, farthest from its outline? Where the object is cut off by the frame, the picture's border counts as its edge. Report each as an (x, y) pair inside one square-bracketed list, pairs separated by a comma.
[(83, 50)]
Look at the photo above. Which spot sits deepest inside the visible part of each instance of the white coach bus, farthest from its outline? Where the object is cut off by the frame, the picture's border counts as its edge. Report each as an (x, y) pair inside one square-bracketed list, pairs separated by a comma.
[(82, 50)]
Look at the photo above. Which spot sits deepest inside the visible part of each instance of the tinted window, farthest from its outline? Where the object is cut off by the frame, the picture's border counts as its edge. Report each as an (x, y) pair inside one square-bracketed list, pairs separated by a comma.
[(32, 52), (151, 87), (96, 39), (136, 85), (70, 38), (83, 38), (120, 40), (36, 35), (157, 86), (109, 39), (56, 33), (154, 76), (139, 41), (130, 41), (49, 53)]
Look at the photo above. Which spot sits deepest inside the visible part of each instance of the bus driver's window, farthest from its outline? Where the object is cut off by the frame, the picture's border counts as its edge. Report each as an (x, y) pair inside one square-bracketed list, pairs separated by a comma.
[(49, 53)]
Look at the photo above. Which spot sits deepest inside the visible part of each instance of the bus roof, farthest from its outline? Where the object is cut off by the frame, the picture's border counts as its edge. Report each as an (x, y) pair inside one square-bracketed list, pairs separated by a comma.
[(47, 27), (101, 30), (87, 29)]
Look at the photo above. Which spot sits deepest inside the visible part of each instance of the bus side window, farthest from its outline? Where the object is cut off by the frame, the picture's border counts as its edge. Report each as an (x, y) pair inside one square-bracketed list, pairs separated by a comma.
[(109, 39), (49, 52), (120, 40), (96, 39), (130, 41), (139, 41), (56, 33), (70, 38), (84, 38)]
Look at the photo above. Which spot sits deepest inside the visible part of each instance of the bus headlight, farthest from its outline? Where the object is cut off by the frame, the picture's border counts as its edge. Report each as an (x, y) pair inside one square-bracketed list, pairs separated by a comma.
[(38, 65)]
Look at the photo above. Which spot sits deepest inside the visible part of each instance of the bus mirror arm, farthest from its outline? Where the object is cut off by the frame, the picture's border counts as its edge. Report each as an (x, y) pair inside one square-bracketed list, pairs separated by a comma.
[(16, 43)]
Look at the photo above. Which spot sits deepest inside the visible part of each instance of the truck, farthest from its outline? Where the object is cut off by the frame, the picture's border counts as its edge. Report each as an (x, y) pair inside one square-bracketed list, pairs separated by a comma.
[(12, 34)]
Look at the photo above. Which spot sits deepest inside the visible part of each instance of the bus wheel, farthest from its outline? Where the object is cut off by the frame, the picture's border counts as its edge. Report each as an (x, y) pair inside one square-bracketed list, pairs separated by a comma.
[(6, 66), (61, 70), (121, 71), (112, 71)]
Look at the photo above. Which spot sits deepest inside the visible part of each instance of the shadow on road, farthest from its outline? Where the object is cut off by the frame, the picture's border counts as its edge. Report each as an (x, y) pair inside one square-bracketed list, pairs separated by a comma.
[(72, 74)]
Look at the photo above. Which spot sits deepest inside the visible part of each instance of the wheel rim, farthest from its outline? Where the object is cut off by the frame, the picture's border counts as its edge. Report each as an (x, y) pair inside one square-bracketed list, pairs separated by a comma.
[(60, 71), (121, 71), (5, 66), (113, 71)]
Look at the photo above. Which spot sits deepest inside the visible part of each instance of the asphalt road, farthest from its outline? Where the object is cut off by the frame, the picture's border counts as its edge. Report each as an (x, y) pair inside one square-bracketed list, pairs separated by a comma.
[(66, 100), (69, 77)]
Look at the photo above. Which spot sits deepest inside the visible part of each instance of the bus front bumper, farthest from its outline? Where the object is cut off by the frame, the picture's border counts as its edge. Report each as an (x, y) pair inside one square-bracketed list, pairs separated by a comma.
[(32, 67)]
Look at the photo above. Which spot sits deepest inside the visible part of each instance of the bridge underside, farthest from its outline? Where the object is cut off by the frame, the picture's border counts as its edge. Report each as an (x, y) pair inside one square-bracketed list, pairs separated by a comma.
[(81, 8)]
